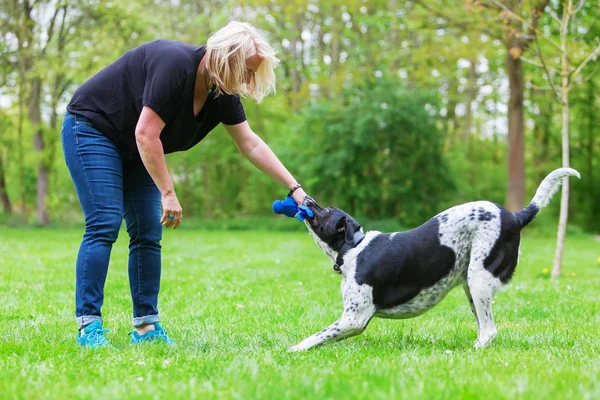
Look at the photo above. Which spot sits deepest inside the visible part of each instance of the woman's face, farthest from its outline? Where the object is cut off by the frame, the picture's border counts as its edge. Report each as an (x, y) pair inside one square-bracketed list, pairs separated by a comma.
[(252, 65)]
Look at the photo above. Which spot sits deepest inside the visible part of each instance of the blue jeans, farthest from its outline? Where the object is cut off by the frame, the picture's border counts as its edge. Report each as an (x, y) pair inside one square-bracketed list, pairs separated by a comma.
[(112, 185)]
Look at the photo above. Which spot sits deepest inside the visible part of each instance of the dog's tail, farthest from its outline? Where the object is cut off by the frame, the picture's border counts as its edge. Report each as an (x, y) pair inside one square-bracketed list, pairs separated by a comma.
[(544, 193)]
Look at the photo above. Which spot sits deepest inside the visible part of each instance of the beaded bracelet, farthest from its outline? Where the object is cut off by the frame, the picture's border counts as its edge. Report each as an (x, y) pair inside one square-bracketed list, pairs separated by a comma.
[(292, 190)]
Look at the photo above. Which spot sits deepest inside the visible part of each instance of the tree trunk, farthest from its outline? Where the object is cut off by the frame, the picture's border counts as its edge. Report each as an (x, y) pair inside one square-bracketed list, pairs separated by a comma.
[(24, 34), (471, 94), (515, 199), (208, 197), (591, 132), (542, 130), (187, 186), (591, 140), (39, 144), (564, 200), (335, 40), (394, 33), (6, 204), (20, 152), (297, 59), (564, 91), (452, 124)]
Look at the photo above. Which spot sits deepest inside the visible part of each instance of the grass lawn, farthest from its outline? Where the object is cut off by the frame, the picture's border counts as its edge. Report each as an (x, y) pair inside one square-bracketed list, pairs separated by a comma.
[(235, 301)]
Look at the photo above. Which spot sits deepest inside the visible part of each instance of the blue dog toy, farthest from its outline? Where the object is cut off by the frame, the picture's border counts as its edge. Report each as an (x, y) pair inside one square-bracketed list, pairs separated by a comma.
[(289, 208)]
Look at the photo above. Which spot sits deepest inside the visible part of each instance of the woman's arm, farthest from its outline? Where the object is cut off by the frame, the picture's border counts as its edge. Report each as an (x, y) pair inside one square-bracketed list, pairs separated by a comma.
[(147, 137), (262, 157)]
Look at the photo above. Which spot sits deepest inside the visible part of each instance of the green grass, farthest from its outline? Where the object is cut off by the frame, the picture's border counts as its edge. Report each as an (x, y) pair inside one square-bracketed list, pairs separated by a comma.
[(235, 301)]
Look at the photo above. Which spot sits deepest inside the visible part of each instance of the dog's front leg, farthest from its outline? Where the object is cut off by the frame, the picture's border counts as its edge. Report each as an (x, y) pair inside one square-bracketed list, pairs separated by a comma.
[(351, 323), (358, 311)]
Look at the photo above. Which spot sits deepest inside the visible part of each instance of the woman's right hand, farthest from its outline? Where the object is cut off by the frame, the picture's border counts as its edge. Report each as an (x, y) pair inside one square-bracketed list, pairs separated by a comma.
[(171, 208)]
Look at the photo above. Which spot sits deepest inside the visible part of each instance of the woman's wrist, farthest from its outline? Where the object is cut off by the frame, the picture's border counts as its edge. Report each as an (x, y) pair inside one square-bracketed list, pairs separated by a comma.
[(299, 196), (153, 158), (167, 192), (293, 188)]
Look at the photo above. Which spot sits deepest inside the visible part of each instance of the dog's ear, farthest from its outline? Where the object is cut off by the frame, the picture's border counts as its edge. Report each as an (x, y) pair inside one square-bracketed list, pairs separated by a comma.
[(340, 225), (344, 226)]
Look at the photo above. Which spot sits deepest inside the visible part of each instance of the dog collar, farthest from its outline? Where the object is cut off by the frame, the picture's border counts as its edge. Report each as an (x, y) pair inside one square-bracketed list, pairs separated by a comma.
[(358, 237)]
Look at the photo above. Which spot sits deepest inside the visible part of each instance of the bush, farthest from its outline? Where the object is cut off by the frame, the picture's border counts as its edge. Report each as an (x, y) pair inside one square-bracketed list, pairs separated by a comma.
[(379, 155)]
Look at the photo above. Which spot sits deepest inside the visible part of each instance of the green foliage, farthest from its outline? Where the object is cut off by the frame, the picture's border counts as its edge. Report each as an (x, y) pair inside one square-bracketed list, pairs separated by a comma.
[(478, 170), (378, 154), (340, 61)]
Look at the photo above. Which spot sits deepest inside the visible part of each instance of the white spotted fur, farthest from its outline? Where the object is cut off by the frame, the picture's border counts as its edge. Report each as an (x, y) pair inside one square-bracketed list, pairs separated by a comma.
[(456, 232), (460, 229), (329, 252)]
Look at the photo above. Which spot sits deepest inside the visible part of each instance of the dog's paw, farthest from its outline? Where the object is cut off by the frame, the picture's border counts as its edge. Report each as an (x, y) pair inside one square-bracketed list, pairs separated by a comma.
[(295, 349), (485, 341)]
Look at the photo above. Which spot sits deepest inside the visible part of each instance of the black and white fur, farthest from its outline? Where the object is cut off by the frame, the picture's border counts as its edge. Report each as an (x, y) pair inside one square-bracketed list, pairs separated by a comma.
[(405, 274)]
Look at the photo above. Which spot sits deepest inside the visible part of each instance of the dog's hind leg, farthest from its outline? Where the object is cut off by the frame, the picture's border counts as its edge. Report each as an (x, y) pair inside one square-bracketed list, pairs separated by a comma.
[(482, 285), (357, 314), (471, 304)]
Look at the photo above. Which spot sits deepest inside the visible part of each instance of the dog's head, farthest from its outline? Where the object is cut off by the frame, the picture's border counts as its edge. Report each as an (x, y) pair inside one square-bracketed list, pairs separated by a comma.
[(330, 227)]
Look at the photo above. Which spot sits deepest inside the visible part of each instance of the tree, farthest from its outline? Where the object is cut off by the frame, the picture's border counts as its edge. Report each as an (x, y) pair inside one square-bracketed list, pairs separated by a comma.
[(4, 127), (32, 52), (327, 48), (519, 32), (4, 198), (516, 34), (569, 76)]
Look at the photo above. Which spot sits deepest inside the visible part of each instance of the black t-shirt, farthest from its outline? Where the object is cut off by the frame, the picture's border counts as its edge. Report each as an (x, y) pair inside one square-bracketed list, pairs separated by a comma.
[(160, 75)]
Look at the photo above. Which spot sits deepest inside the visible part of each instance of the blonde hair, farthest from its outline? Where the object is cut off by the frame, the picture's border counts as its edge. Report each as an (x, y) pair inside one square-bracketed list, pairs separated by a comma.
[(225, 61)]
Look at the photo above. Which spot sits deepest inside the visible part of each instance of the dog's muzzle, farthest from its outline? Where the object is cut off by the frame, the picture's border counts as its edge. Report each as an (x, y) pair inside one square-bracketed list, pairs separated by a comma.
[(314, 207)]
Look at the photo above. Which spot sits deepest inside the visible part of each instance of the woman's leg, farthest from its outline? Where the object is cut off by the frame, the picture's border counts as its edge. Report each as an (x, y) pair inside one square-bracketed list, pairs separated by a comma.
[(97, 171), (142, 201)]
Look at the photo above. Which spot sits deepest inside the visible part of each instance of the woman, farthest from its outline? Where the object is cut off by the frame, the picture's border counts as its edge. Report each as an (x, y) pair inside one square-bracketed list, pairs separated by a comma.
[(156, 99)]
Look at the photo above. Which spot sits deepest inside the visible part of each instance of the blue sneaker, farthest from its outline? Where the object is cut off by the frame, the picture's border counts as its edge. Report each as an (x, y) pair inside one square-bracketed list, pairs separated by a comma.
[(93, 336), (157, 335)]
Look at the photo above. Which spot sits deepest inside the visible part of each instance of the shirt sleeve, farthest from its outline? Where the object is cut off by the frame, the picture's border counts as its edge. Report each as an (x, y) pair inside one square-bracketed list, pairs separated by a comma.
[(165, 77), (231, 110)]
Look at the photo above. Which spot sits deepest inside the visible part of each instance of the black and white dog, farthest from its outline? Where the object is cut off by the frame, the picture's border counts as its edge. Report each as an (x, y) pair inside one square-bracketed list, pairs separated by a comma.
[(404, 274)]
